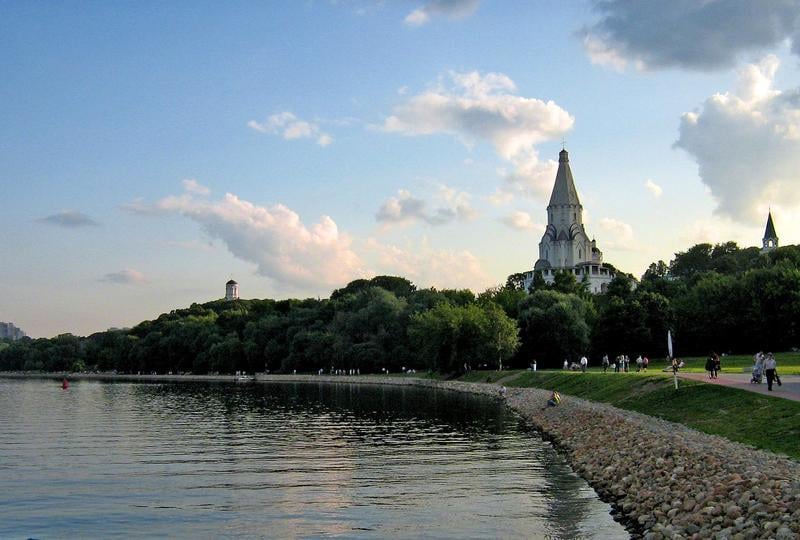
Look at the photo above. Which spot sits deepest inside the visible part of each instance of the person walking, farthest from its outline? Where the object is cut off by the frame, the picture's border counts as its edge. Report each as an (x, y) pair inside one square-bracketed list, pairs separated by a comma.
[(770, 367), (584, 363), (645, 363), (605, 363), (639, 363), (710, 365)]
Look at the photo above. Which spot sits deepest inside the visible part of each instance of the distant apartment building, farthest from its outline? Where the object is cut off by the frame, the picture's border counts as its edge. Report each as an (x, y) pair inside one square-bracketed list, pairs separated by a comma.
[(9, 331)]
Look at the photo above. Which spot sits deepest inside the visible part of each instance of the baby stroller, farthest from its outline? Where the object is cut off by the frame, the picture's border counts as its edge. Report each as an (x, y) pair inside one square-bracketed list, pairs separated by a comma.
[(758, 374)]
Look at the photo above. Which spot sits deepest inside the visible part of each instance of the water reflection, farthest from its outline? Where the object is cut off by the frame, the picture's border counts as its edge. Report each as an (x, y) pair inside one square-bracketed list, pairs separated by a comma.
[(280, 460)]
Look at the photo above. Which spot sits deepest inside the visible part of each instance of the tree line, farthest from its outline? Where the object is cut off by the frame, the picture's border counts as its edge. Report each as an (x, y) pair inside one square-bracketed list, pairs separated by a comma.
[(712, 297)]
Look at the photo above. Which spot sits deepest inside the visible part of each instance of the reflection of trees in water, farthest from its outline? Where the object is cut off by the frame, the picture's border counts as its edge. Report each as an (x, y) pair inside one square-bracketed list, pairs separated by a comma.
[(570, 500), (353, 431)]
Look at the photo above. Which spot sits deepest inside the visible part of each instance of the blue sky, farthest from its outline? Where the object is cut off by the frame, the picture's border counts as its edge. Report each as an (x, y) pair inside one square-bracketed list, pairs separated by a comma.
[(355, 138)]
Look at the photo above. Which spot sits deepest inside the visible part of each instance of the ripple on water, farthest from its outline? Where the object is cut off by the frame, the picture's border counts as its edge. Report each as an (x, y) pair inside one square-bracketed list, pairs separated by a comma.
[(280, 460)]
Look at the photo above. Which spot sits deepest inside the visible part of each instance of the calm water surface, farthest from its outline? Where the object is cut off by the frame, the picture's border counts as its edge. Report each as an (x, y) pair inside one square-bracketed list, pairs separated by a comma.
[(193, 460)]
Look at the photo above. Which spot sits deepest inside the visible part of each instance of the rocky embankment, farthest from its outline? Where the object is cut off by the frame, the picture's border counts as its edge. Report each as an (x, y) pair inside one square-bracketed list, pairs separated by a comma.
[(669, 481), (663, 479)]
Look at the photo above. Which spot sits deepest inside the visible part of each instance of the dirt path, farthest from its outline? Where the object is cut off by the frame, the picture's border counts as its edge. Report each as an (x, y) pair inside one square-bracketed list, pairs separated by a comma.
[(789, 390)]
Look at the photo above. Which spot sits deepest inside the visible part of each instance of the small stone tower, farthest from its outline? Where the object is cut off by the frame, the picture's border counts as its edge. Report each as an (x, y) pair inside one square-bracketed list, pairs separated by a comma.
[(231, 291), (770, 240)]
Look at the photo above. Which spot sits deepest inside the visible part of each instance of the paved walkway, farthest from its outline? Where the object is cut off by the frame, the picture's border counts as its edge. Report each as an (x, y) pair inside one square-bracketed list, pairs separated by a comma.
[(789, 390)]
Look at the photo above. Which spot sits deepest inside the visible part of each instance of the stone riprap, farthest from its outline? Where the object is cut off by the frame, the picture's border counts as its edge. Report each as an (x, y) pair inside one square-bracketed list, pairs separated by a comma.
[(664, 480)]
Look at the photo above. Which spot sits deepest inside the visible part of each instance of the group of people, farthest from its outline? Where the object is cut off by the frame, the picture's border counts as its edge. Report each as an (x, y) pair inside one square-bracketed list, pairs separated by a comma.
[(622, 363), (713, 365), (765, 364)]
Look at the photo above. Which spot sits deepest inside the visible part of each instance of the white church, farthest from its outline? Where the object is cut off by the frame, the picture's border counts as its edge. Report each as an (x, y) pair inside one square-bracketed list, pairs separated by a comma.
[(565, 246)]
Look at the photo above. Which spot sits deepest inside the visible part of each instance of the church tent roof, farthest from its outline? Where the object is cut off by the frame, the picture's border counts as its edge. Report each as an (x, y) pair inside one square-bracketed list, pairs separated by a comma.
[(564, 192), (770, 231)]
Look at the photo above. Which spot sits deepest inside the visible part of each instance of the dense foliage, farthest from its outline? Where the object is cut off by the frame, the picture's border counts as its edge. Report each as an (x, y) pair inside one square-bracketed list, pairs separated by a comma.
[(712, 297)]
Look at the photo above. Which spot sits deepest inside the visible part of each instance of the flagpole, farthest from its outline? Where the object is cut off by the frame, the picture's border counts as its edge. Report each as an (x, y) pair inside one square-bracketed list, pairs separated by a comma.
[(671, 358)]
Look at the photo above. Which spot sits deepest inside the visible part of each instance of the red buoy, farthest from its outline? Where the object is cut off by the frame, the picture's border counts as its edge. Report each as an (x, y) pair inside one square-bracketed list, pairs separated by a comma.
[(65, 384)]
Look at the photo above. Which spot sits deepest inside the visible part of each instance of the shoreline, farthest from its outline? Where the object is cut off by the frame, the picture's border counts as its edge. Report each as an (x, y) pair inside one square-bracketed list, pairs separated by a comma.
[(663, 480)]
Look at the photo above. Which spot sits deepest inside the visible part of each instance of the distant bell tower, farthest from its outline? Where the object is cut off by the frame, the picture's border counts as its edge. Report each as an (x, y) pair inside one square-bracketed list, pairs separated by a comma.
[(231, 291), (770, 240)]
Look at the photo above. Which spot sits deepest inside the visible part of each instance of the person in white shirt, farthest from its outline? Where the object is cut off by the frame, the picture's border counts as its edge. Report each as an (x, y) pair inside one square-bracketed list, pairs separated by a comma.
[(584, 363), (770, 365)]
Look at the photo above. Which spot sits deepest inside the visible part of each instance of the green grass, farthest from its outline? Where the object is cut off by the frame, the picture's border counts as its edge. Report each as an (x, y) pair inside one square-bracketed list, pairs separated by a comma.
[(766, 422), (788, 363)]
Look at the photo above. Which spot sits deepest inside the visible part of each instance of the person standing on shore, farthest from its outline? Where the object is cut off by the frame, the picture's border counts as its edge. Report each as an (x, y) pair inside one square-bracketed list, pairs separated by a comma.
[(770, 366), (710, 365)]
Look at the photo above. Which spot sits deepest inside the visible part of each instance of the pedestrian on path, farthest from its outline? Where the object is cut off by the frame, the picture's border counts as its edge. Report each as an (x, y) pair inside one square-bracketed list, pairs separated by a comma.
[(770, 366), (605, 363), (710, 365), (584, 363)]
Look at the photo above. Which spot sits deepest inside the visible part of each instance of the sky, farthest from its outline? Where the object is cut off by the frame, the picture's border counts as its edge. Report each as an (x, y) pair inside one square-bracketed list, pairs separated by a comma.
[(150, 151)]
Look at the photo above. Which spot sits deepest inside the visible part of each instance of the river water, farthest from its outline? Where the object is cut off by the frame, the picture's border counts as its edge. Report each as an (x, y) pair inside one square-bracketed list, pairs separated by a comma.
[(196, 460)]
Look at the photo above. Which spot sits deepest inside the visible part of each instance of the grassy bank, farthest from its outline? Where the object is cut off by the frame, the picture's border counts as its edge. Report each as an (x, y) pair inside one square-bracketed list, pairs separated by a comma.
[(788, 363), (765, 422)]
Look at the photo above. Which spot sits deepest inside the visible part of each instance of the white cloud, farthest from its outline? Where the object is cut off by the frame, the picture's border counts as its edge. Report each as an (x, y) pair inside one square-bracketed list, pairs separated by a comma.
[(274, 239), (603, 54), (192, 186), (405, 208), (501, 197), (453, 9), (290, 127), (475, 107), (481, 107), (618, 235), (428, 267), (521, 221), (654, 189), (128, 276), (691, 34), (747, 145)]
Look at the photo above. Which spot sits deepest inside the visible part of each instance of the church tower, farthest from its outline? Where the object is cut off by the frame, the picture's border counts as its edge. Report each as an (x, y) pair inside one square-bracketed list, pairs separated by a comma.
[(565, 245), (770, 240)]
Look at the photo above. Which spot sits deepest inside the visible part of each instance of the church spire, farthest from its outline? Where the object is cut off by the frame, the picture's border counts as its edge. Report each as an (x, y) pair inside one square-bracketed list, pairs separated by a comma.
[(770, 240), (564, 192)]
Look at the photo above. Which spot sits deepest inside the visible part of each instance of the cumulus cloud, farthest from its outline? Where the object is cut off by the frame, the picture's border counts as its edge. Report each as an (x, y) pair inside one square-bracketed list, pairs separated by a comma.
[(428, 267), (273, 238), (290, 127), (475, 107), (192, 186), (691, 34), (521, 221), (654, 189), (405, 208), (70, 219), (128, 276), (454, 9), (618, 235), (747, 144)]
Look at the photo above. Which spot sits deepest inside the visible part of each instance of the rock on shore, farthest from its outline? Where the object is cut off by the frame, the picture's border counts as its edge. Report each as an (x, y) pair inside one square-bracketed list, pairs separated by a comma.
[(667, 480), (664, 480)]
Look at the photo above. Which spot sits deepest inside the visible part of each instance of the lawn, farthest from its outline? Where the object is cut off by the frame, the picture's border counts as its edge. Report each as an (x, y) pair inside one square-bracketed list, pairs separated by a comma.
[(766, 422), (788, 363)]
